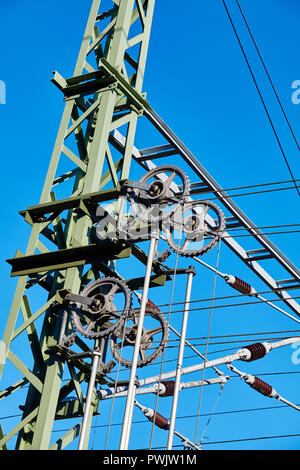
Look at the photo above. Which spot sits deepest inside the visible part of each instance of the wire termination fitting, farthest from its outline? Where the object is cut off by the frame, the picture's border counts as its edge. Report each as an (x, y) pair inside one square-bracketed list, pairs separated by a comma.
[(239, 285)]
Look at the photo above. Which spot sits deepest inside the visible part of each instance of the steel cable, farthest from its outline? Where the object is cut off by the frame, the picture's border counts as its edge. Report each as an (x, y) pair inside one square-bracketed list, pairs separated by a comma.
[(261, 97), (207, 340), (268, 75), (164, 346)]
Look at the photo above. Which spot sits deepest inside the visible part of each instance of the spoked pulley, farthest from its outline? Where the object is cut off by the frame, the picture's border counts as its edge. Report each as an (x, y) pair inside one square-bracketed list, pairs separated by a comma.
[(109, 299), (195, 227), (166, 186), (154, 337)]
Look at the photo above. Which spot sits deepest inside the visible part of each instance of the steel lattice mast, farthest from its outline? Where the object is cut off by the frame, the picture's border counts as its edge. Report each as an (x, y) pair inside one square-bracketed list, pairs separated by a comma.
[(91, 164), (98, 90)]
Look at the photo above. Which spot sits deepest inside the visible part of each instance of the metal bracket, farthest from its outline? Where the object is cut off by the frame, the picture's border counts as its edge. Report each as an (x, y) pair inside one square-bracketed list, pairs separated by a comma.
[(106, 77), (128, 184)]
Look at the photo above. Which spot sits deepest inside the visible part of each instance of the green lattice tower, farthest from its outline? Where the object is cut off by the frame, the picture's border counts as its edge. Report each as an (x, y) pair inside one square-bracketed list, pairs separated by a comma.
[(90, 163), (104, 94)]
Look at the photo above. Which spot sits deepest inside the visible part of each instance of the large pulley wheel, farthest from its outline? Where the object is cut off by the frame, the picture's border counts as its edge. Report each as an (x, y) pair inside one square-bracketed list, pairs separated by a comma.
[(154, 337), (111, 300), (167, 185), (195, 228)]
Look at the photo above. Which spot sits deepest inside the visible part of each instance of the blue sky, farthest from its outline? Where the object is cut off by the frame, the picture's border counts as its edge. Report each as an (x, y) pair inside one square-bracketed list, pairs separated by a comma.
[(197, 80)]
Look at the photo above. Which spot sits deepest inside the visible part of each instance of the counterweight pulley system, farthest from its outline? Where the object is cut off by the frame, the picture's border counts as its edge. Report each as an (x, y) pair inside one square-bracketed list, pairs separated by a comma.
[(126, 228)]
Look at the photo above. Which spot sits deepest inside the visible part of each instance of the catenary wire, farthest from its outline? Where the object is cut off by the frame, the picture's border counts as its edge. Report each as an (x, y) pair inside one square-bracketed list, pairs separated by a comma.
[(207, 340), (164, 347), (224, 297), (268, 74), (238, 440), (268, 183), (261, 340), (259, 227), (261, 97), (232, 305), (265, 233), (230, 297), (249, 193), (116, 382), (239, 334)]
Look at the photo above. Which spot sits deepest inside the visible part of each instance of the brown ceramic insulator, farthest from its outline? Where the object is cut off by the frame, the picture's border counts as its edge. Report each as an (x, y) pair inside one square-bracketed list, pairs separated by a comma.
[(262, 387), (257, 351), (241, 286), (169, 391), (160, 421)]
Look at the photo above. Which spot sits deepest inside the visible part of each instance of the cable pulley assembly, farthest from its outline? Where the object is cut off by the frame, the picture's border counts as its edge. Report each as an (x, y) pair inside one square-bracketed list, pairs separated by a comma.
[(153, 340), (194, 228), (109, 301), (163, 187)]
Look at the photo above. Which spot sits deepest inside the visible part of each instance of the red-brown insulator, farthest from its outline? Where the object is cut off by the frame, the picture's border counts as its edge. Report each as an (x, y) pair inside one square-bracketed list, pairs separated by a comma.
[(240, 285), (257, 351), (262, 387), (169, 388), (160, 421)]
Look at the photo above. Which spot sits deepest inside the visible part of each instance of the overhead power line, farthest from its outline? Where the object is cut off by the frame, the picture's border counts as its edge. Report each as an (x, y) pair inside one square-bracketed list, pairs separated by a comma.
[(261, 97), (268, 75), (143, 421), (251, 439), (236, 440), (226, 305), (255, 192), (230, 305), (251, 186)]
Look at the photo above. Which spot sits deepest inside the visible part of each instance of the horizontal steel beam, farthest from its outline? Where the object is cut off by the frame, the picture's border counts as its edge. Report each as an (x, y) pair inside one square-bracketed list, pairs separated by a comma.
[(66, 258), (33, 213)]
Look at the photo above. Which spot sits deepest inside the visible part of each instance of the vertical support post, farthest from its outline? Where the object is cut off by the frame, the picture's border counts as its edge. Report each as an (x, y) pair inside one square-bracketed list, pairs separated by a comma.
[(191, 273), (131, 387), (82, 440), (130, 416)]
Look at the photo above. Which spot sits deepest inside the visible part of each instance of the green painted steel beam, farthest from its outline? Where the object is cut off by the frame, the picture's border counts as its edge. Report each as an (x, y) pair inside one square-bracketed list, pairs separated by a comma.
[(84, 202), (155, 281), (69, 257)]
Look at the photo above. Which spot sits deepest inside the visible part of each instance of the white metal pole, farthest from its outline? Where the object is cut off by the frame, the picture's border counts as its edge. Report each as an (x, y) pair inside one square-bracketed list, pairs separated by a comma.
[(130, 418), (131, 387), (180, 358), (96, 358)]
